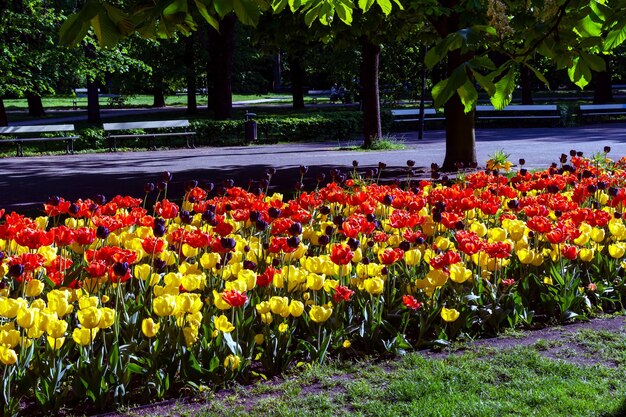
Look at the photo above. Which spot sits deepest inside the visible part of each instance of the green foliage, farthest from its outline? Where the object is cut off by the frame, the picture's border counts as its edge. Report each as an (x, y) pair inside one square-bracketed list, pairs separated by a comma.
[(274, 129)]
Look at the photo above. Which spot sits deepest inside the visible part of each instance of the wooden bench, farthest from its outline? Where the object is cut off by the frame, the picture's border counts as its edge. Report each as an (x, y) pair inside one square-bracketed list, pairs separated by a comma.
[(413, 115), (151, 130), (24, 134), (519, 111), (316, 94), (601, 110)]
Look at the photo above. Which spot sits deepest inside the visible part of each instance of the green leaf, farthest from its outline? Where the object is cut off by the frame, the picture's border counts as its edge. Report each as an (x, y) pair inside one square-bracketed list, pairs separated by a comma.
[(600, 10), (588, 27), (579, 72), (204, 12), (469, 95), (441, 49), (344, 11), (504, 90), (538, 74), (279, 5), (176, 6), (445, 89), (247, 12), (105, 30), (385, 6), (223, 7), (615, 37), (595, 62), (485, 82), (365, 4)]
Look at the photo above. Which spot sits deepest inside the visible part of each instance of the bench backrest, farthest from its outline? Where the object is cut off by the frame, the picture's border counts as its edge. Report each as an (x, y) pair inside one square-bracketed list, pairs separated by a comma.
[(161, 124), (584, 107), (520, 107), (411, 112), (9, 130)]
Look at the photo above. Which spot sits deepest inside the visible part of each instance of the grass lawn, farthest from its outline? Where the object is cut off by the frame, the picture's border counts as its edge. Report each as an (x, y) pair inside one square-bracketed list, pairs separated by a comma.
[(67, 102), (482, 381)]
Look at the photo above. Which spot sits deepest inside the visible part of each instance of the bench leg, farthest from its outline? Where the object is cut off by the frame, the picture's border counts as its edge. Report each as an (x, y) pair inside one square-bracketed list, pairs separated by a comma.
[(152, 144), (190, 142)]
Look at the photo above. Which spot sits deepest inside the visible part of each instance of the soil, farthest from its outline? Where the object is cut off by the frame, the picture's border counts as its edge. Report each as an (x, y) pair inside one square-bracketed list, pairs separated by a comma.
[(557, 342)]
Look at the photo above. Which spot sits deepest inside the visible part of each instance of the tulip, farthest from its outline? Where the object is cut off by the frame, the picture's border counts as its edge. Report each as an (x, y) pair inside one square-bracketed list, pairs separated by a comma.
[(223, 325), (34, 288), (449, 314), (296, 308), (374, 285), (319, 314), (84, 337), (89, 317), (164, 305), (149, 328), (7, 355), (232, 362)]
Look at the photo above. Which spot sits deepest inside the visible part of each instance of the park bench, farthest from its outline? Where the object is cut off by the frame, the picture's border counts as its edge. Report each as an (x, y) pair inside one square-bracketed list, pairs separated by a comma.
[(114, 100), (317, 94), (519, 112), (598, 111), (19, 135), (149, 130), (413, 115)]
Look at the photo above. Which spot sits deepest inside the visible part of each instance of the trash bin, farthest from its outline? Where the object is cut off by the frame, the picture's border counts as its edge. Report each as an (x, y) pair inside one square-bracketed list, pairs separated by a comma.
[(250, 128)]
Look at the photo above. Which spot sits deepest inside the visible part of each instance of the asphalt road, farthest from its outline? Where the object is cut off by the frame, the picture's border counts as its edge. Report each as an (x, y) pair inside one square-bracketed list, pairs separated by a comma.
[(25, 183)]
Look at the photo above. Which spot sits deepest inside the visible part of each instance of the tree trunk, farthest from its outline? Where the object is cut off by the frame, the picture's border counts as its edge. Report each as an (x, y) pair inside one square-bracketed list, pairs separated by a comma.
[(370, 100), (604, 90), (158, 96), (460, 137), (35, 106), (190, 65), (93, 99), (222, 46), (93, 103), (296, 70), (4, 121), (527, 89)]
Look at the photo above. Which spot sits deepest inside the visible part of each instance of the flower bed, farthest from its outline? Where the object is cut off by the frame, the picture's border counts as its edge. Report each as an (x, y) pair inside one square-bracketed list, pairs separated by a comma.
[(102, 302)]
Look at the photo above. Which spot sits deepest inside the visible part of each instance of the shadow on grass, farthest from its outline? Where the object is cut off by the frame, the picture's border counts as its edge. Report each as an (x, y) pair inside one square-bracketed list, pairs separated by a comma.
[(620, 411)]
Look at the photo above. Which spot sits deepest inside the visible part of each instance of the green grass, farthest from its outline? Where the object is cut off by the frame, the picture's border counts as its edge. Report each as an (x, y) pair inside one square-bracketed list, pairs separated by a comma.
[(482, 382), (67, 102), (387, 143)]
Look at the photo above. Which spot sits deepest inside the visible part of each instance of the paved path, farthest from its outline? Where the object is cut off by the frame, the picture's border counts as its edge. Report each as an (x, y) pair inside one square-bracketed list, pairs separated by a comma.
[(26, 182)]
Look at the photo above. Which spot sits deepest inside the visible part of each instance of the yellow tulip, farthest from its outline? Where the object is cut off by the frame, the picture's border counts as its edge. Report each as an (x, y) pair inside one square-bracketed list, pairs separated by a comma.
[(222, 324), (9, 337), (259, 338), (55, 343), (56, 328), (7, 355), (374, 286), (83, 336), (193, 282), (412, 257), (143, 271), (279, 305), (263, 307), (586, 254), (296, 308), (525, 256), (598, 234), (449, 314), (497, 234), (26, 318), (188, 303), (89, 317), (320, 314), (108, 318), (232, 362), (616, 250), (149, 328), (191, 335), (436, 278), (282, 327), (248, 277), (164, 305), (314, 281), (479, 228), (173, 279), (459, 273), (209, 260), (34, 288), (86, 302)]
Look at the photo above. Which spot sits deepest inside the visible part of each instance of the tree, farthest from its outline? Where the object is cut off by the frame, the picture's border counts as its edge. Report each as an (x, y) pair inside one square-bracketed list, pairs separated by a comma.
[(32, 60), (569, 32)]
